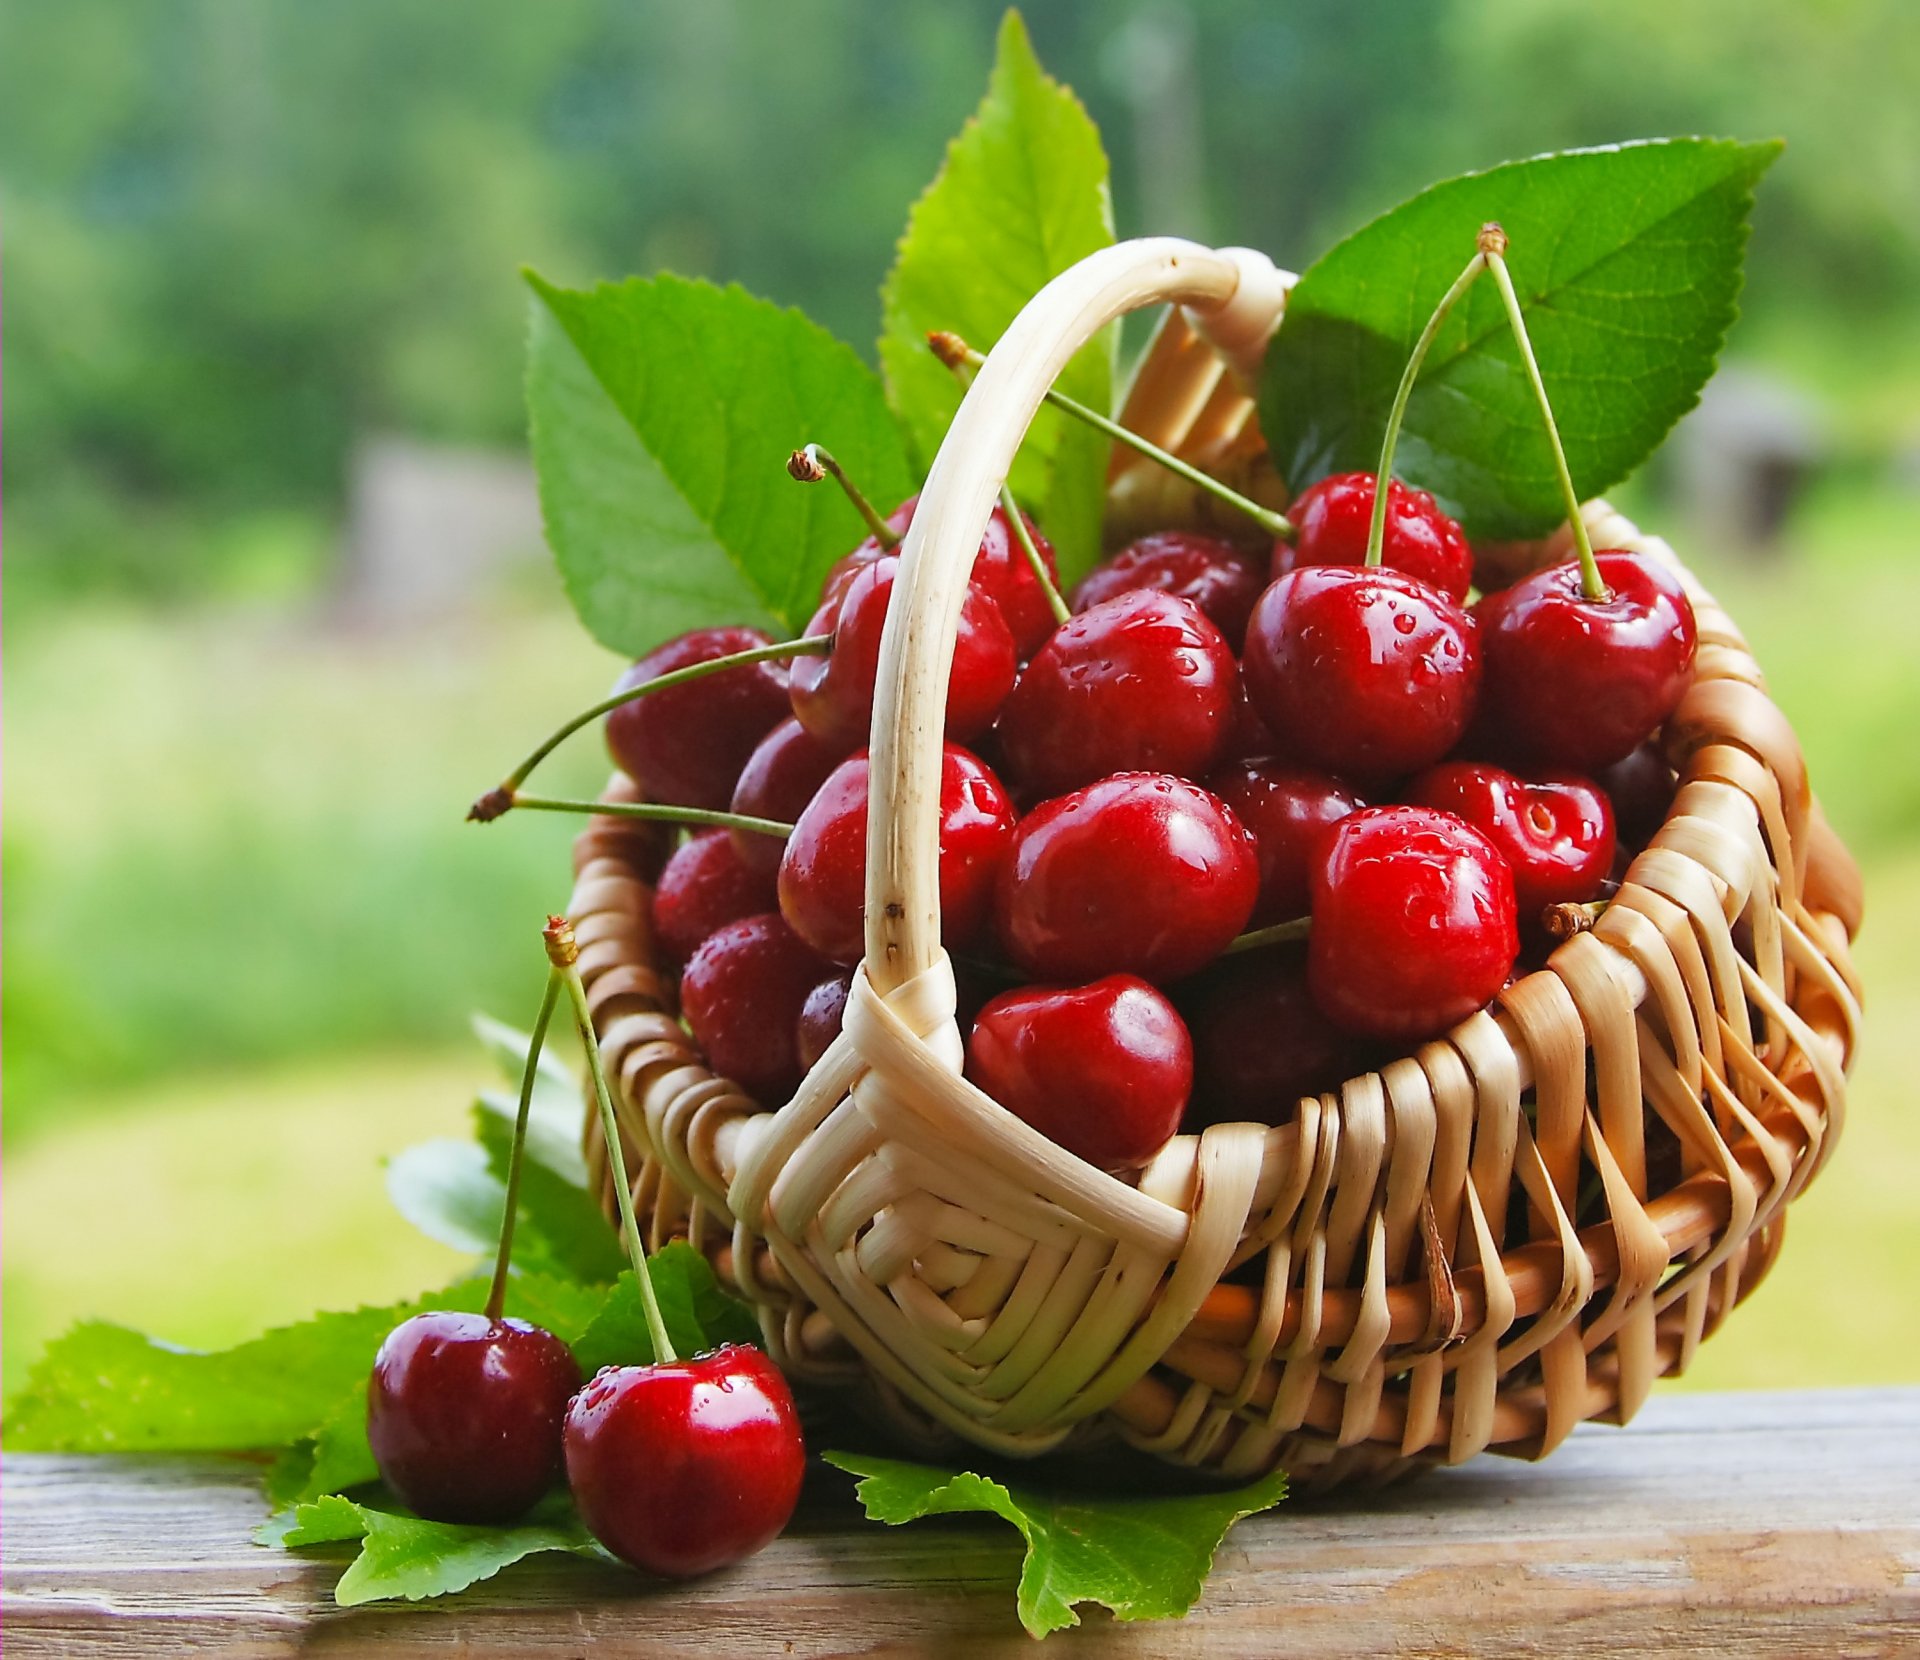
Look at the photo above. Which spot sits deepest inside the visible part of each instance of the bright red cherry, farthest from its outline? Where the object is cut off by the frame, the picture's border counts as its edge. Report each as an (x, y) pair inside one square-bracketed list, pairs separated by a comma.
[(1331, 520), (1104, 1070), (1576, 682), (1223, 580), (742, 993), (1259, 1044), (686, 745), (779, 779), (1135, 874), (833, 695), (1555, 831), (1641, 789), (1413, 923), (464, 1414), (1362, 671), (684, 1466), (704, 886), (1142, 682), (823, 874), (820, 1018), (1289, 810)]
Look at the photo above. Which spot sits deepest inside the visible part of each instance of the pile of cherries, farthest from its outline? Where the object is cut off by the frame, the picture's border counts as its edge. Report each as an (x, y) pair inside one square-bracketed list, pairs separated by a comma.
[(1251, 815)]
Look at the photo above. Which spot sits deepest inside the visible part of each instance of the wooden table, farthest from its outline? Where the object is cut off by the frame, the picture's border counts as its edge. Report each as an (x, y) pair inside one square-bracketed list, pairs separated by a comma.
[(1777, 1524)]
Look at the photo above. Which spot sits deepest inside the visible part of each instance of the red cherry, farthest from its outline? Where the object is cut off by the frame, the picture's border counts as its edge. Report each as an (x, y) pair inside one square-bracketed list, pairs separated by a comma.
[(1250, 740), (1221, 579), (1331, 520), (1555, 831), (1576, 682), (742, 993), (823, 874), (1259, 1044), (833, 695), (1413, 923), (1104, 1070), (1641, 789), (779, 779), (1140, 683), (820, 1018), (704, 886), (464, 1414), (1289, 810), (686, 745), (1138, 874), (684, 1466), (1364, 672)]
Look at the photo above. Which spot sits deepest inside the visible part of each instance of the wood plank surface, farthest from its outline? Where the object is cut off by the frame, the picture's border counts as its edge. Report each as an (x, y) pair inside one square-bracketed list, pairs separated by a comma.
[(1770, 1524)]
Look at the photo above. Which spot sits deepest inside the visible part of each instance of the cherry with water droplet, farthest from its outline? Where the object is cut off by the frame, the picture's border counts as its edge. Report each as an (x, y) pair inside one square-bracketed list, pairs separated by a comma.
[(704, 886), (1331, 520), (742, 993), (1220, 578)]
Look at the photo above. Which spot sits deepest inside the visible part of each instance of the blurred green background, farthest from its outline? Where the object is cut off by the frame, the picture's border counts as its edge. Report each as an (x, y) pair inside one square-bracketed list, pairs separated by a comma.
[(262, 339)]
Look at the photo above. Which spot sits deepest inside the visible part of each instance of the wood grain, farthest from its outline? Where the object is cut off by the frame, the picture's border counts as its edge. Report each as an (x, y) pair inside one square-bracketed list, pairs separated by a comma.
[(1750, 1524)]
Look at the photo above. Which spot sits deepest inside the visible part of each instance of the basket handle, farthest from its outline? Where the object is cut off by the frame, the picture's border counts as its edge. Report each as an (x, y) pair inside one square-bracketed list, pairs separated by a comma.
[(1239, 294)]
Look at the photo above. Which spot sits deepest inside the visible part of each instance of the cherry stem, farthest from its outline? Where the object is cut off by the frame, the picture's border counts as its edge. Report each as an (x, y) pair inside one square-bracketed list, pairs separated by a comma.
[(497, 1292), (564, 953), (1383, 475), (1493, 242), (1279, 933), (1017, 522), (957, 355), (497, 800), (813, 463), (655, 812), (1563, 921)]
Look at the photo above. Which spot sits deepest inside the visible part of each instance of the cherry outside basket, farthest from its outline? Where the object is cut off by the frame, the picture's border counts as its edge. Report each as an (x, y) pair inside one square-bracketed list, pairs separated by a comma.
[(1515, 1228)]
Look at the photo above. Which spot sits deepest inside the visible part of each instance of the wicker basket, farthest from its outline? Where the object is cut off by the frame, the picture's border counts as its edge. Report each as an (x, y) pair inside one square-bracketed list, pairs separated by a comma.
[(1516, 1228)]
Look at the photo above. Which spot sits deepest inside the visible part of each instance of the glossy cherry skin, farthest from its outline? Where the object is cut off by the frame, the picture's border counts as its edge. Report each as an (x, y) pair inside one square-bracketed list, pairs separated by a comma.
[(1223, 580), (685, 746), (1555, 830), (1249, 740), (781, 776), (1289, 809), (1105, 1070), (1142, 682), (1366, 673), (1413, 923), (464, 1414), (1140, 874), (742, 994), (1580, 683), (704, 886), (1331, 520), (1259, 1043), (823, 874), (820, 1018), (833, 695), (1641, 788), (684, 1466)]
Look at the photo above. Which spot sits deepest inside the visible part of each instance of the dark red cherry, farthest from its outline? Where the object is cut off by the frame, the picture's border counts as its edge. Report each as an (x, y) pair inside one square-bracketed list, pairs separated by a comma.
[(684, 1466), (1135, 874), (1249, 740), (704, 886), (1641, 788), (1221, 579), (1331, 520), (1289, 810), (833, 695), (1140, 683), (742, 993), (1259, 1043), (464, 1414), (823, 874), (781, 776), (1580, 683), (1361, 671), (686, 745), (1104, 1070), (820, 1018), (1413, 923), (1554, 830)]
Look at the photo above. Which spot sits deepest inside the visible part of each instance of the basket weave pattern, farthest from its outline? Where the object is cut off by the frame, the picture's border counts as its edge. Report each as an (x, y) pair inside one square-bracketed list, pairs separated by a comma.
[(1516, 1228)]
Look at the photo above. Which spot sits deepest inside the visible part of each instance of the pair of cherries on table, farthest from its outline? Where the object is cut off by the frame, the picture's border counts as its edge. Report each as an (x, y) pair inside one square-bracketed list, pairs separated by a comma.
[(1220, 738)]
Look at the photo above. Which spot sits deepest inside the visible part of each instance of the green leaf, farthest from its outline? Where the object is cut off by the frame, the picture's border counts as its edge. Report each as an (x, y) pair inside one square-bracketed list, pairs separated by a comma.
[(662, 413), (699, 1314), (444, 1188), (1627, 261), (1021, 196), (1144, 1558)]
